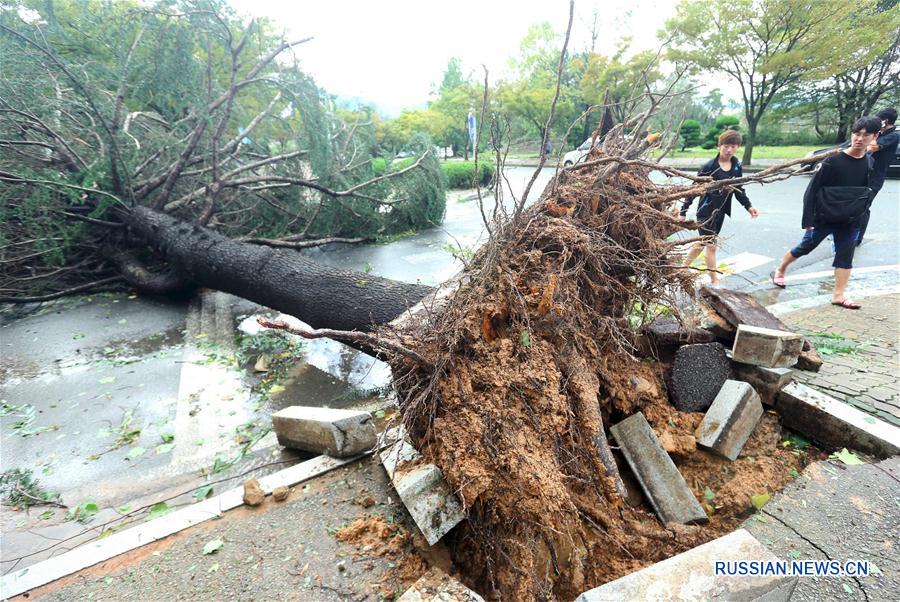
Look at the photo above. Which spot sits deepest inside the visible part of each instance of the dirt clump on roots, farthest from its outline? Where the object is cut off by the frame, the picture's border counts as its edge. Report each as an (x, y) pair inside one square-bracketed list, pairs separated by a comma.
[(534, 356)]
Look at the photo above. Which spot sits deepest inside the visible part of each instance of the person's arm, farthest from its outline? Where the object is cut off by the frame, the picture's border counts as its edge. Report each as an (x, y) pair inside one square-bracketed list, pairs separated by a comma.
[(686, 204), (741, 195), (812, 190)]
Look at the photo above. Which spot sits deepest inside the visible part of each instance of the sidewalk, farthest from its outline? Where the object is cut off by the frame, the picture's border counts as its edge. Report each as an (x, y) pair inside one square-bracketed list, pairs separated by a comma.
[(860, 350)]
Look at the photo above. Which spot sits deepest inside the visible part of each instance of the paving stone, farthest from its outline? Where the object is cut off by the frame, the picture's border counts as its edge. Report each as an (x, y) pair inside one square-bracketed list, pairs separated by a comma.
[(730, 420), (669, 332), (337, 433), (422, 489), (438, 586), (660, 480), (699, 371), (691, 576), (835, 424), (766, 381), (766, 347)]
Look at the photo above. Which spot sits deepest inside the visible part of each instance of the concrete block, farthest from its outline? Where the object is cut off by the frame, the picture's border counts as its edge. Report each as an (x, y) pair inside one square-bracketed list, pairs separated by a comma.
[(663, 485), (699, 371), (422, 489), (337, 433), (730, 420), (766, 381), (835, 424), (438, 586), (766, 347), (691, 576)]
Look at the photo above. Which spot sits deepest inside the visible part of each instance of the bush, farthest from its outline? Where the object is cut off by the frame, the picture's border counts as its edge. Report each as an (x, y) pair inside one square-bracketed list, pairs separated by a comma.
[(689, 133), (459, 173)]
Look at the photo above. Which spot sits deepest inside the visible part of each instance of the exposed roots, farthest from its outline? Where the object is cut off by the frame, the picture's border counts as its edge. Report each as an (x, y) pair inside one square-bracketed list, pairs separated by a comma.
[(537, 350)]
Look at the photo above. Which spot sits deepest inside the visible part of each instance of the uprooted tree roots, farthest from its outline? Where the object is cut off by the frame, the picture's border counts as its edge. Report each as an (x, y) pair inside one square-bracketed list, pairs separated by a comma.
[(533, 355)]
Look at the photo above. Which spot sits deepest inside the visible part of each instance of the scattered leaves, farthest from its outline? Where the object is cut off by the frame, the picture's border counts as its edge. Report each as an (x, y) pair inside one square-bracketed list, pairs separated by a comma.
[(213, 546), (847, 457)]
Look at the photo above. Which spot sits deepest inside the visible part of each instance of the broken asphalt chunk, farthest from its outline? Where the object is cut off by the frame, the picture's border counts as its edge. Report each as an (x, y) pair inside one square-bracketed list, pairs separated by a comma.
[(766, 347), (659, 478), (337, 433), (730, 420), (422, 489), (698, 373)]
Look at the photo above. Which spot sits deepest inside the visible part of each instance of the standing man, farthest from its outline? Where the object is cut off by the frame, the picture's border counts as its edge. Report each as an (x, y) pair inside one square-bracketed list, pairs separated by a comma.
[(836, 199), (883, 150), (714, 206)]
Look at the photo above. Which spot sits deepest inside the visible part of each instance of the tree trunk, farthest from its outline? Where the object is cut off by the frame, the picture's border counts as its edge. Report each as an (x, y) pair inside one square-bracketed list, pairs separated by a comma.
[(751, 140), (283, 279)]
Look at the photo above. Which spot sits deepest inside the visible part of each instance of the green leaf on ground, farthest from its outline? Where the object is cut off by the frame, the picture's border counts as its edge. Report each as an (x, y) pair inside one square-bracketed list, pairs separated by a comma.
[(136, 452), (202, 493), (709, 494), (847, 457), (83, 512), (159, 509), (124, 509), (794, 554), (167, 437), (525, 339), (164, 448), (847, 588), (213, 546), (760, 500), (107, 380), (46, 514)]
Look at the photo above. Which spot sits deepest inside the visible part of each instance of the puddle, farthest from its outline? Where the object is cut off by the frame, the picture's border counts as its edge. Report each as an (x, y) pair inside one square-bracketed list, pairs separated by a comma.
[(330, 374)]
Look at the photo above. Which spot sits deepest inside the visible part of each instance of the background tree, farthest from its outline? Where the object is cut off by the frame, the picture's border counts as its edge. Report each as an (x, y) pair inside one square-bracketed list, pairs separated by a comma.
[(768, 45)]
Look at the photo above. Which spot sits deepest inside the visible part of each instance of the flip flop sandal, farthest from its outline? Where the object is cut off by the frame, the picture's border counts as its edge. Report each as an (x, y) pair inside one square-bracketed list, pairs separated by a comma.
[(778, 280), (847, 304)]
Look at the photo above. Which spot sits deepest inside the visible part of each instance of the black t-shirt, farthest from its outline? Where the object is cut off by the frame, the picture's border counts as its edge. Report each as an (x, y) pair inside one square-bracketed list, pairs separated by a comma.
[(844, 170), (838, 170)]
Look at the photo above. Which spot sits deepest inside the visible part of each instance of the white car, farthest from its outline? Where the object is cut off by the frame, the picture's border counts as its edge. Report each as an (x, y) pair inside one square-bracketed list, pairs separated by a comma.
[(578, 155)]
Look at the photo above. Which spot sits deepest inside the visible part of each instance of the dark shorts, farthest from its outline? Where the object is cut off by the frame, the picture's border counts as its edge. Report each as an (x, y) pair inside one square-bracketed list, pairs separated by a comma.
[(844, 244), (711, 225)]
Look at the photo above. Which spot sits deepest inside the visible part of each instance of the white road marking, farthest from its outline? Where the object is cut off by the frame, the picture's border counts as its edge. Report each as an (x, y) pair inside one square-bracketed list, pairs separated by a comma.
[(856, 271)]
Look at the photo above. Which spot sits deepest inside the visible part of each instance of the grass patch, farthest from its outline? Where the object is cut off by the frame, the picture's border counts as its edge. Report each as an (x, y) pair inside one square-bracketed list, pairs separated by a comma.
[(759, 152)]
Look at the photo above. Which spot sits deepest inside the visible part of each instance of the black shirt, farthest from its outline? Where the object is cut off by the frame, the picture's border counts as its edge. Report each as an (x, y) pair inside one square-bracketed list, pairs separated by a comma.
[(719, 199), (838, 170), (887, 140)]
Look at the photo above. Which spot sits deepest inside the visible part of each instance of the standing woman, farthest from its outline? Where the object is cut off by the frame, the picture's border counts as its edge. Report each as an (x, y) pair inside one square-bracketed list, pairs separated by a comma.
[(714, 206)]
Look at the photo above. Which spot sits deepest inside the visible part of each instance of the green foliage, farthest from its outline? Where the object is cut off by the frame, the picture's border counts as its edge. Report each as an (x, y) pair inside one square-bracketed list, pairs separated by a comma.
[(722, 123), (461, 174), (689, 133), (20, 489)]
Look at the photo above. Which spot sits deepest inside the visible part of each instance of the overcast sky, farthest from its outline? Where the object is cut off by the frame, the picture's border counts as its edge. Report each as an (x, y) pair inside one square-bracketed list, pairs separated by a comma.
[(391, 53)]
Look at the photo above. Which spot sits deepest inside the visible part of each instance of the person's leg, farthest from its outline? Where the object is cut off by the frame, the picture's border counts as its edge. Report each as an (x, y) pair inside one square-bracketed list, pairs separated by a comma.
[(844, 243), (693, 253), (711, 265), (811, 240)]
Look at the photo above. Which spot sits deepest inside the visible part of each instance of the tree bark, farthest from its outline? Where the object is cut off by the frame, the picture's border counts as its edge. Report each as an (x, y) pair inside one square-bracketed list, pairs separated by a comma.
[(283, 279)]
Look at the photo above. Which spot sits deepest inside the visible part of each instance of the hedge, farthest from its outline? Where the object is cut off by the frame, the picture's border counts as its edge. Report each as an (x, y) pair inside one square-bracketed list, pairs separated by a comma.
[(459, 173)]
